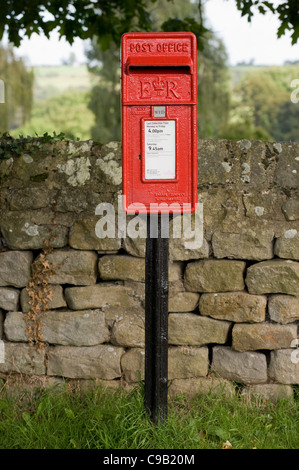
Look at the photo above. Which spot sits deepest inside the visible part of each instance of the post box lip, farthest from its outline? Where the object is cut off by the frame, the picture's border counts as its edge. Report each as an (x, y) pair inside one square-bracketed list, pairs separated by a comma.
[(166, 34)]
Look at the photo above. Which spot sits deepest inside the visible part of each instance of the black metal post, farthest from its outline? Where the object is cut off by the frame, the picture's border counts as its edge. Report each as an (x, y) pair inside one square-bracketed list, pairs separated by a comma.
[(156, 323)]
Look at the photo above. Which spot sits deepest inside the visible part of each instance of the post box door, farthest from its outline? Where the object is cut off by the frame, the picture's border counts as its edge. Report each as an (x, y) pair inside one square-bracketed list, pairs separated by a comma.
[(159, 116)]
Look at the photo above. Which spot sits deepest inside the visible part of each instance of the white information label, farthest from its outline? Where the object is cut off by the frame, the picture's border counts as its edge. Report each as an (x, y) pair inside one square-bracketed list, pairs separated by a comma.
[(159, 150)]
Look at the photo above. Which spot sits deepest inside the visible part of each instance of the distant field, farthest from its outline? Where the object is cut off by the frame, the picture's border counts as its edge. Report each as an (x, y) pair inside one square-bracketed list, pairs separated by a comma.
[(54, 80)]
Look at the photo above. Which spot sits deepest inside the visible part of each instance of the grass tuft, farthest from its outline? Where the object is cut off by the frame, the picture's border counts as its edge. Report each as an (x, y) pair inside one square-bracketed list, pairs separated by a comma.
[(116, 419)]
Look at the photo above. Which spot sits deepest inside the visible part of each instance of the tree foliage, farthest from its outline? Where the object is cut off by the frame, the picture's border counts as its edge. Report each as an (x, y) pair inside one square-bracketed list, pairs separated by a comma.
[(287, 122), (261, 107), (66, 112), (18, 90), (287, 12), (105, 95), (105, 19), (213, 88), (109, 19), (213, 78)]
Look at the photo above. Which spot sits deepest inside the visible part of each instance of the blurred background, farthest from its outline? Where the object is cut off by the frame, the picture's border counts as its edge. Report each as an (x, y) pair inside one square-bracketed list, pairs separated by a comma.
[(246, 77)]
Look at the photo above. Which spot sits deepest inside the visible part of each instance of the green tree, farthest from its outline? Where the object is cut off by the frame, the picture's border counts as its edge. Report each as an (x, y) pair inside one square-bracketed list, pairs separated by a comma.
[(260, 102), (287, 12), (213, 78), (105, 95), (18, 85), (261, 93), (213, 88), (109, 19), (104, 63), (287, 122), (66, 113)]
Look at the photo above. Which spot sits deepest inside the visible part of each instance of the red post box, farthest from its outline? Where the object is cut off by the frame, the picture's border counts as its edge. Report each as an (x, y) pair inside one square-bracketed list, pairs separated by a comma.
[(159, 110)]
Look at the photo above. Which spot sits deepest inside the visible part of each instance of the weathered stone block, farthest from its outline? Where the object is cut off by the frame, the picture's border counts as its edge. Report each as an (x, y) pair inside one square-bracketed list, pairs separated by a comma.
[(122, 268), (73, 267), (284, 366), (287, 246), (100, 361), (283, 308), (83, 236), (271, 392), (194, 330), (178, 251), (15, 268), (176, 287), (83, 328), (72, 200), (9, 298), (135, 246), (132, 364), (175, 271), (287, 169), (128, 330), (183, 302), (57, 299), (222, 207), (23, 359), (137, 289), (234, 306), (99, 296), (244, 367), (216, 162), (274, 276), (15, 326), (248, 245), (249, 337), (201, 386), (22, 233), (215, 276), (29, 198), (186, 240), (109, 167), (291, 209), (264, 207), (128, 268), (185, 362)]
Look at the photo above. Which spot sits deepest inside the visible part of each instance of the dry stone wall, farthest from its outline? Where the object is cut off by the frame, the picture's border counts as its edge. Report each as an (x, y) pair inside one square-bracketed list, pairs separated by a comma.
[(233, 302)]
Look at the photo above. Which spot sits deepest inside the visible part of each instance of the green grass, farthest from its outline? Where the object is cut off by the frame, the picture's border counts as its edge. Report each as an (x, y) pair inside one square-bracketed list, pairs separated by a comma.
[(101, 419)]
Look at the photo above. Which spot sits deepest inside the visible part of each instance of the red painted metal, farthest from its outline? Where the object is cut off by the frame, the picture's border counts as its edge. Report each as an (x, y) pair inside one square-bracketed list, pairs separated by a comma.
[(159, 115)]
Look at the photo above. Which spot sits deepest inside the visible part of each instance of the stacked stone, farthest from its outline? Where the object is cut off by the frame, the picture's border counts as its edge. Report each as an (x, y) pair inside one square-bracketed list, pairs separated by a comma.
[(233, 302)]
